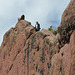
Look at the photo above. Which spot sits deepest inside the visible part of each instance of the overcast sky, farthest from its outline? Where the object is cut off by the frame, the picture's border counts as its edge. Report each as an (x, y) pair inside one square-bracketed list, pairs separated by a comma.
[(46, 12)]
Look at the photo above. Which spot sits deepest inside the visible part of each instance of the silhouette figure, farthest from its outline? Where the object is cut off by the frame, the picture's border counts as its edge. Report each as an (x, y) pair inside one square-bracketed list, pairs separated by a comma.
[(37, 26), (21, 18)]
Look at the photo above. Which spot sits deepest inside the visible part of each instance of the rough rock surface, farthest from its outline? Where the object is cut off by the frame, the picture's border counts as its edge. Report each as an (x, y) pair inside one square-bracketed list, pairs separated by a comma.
[(63, 63), (67, 24), (27, 52)]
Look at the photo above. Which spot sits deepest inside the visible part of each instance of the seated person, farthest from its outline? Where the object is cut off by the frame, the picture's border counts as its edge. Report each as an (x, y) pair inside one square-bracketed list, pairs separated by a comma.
[(37, 26), (21, 18)]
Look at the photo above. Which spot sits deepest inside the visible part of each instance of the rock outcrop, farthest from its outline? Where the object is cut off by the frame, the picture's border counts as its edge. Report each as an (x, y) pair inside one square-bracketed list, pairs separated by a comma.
[(67, 23), (27, 52), (63, 63)]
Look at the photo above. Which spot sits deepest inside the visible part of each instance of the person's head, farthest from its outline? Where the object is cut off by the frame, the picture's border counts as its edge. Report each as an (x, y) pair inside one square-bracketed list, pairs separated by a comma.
[(36, 22), (22, 17)]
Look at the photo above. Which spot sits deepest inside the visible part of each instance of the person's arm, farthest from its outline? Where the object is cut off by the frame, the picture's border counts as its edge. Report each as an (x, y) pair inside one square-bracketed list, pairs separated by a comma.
[(39, 26)]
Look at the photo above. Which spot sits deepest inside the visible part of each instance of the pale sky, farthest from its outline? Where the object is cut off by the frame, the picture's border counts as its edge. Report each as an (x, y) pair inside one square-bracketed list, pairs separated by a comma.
[(46, 12)]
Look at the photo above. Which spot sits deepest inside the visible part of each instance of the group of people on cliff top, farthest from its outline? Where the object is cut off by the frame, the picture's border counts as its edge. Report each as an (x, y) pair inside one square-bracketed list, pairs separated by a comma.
[(37, 25)]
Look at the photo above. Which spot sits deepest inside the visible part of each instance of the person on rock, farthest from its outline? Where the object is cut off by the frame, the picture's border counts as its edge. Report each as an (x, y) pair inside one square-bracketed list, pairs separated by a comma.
[(37, 26), (22, 17)]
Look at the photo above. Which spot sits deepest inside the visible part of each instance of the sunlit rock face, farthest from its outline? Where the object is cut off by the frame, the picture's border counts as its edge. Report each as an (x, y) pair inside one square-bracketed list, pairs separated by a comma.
[(67, 23), (27, 52), (63, 63)]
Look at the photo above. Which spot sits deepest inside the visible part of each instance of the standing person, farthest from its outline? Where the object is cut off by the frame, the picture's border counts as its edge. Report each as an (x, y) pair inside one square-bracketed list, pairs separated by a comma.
[(37, 26)]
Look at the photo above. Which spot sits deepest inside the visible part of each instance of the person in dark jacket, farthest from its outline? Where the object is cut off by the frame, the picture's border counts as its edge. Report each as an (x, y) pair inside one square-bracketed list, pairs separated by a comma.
[(37, 26), (22, 17)]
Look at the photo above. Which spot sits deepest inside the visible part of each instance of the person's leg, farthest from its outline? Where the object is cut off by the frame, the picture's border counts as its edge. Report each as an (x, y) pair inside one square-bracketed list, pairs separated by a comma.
[(38, 29)]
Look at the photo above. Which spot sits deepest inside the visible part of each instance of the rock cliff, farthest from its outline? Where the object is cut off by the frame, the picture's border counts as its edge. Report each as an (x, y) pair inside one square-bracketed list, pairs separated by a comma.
[(67, 23), (27, 52)]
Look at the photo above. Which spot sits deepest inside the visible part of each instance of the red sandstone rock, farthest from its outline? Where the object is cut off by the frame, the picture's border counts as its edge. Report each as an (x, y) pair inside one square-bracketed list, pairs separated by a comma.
[(67, 24), (27, 52), (63, 63), (69, 14), (13, 42)]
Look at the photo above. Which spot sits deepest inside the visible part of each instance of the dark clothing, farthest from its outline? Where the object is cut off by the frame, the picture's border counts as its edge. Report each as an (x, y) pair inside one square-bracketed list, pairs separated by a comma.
[(22, 17), (37, 29), (37, 26)]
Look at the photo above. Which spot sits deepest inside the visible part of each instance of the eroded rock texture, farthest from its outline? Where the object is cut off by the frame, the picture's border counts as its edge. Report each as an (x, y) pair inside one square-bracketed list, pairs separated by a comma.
[(63, 63), (67, 23), (27, 52)]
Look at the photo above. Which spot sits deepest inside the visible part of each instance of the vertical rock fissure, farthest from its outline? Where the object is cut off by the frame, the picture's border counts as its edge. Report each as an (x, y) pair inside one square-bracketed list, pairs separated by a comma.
[(28, 60), (43, 60)]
